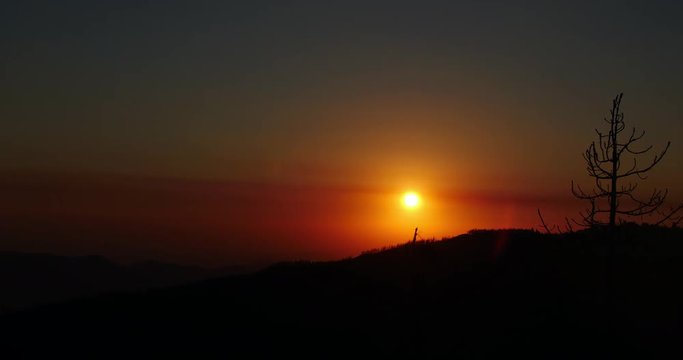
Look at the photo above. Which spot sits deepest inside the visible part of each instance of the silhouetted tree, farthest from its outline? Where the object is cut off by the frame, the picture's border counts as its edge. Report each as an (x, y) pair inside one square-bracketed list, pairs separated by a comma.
[(607, 162)]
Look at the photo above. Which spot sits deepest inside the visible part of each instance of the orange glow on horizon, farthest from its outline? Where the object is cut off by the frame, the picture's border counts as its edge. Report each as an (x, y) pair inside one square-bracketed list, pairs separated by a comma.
[(226, 222)]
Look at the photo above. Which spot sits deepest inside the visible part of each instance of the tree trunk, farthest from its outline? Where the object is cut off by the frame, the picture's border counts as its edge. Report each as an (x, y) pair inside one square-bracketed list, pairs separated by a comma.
[(615, 163)]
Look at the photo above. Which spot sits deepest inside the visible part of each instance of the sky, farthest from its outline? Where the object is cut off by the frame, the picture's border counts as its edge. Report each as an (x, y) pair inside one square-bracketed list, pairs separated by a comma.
[(217, 132)]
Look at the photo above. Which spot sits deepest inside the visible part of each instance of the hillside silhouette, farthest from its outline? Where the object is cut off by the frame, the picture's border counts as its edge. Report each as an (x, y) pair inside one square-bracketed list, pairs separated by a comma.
[(488, 293), (28, 279)]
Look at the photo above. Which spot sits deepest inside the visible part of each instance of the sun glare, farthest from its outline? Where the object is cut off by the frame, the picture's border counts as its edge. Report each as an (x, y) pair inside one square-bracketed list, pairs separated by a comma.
[(411, 200)]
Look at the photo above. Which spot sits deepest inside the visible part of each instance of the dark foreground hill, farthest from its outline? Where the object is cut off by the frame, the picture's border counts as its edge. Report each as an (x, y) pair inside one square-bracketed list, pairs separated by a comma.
[(480, 295)]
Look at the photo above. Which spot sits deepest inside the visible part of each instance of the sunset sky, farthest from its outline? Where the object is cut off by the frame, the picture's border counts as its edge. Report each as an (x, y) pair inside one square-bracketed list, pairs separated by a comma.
[(221, 132)]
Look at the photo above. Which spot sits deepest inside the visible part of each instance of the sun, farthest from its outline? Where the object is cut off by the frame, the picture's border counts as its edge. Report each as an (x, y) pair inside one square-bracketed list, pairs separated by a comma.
[(411, 200)]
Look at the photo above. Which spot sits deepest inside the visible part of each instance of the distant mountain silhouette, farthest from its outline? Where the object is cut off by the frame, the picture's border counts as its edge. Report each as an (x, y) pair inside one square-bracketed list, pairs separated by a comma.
[(488, 293), (32, 279)]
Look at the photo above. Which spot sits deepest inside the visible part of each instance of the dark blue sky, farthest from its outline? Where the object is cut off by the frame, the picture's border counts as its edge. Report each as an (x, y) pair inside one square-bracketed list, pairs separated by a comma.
[(180, 87)]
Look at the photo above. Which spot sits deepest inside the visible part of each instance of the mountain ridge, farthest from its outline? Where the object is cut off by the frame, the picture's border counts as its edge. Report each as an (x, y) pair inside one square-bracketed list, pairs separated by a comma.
[(33, 279), (488, 293)]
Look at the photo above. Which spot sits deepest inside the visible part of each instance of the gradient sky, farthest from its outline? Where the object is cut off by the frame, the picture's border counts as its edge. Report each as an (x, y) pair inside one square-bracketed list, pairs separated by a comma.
[(234, 131)]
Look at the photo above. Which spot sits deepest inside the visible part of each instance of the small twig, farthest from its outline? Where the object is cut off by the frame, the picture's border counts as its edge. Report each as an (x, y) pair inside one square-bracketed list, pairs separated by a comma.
[(545, 226)]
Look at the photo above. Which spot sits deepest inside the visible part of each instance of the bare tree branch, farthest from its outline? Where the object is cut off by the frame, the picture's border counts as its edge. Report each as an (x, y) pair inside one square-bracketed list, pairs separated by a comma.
[(609, 201), (604, 162)]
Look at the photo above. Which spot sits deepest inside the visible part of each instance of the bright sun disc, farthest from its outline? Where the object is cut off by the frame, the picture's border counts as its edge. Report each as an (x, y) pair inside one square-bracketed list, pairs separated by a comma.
[(411, 200)]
